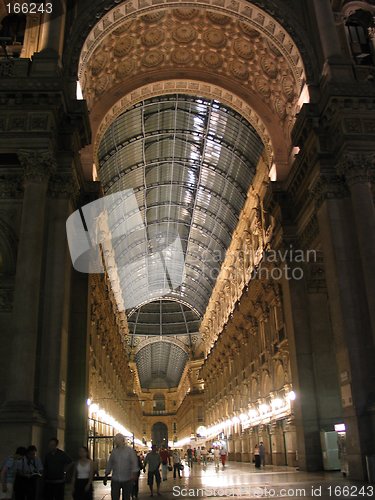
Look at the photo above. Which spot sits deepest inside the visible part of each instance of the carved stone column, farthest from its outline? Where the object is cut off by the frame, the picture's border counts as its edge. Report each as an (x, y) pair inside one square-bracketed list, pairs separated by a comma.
[(297, 323), (53, 28), (54, 345), (327, 29), (277, 444), (327, 388), (21, 419), (349, 313), (245, 455), (357, 168), (237, 445), (290, 437)]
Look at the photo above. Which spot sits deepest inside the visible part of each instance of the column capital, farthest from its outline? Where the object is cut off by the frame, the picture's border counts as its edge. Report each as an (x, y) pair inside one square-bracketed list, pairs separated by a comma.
[(356, 167), (38, 165), (328, 186)]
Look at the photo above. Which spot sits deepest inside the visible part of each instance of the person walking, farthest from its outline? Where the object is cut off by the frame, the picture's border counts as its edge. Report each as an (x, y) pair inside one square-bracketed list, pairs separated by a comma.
[(216, 456), (83, 476), (198, 455), (123, 464), (190, 457), (56, 463), (262, 454), (136, 482), (9, 473), (204, 454), (176, 458), (256, 456), (153, 461), (29, 473), (165, 462), (223, 456)]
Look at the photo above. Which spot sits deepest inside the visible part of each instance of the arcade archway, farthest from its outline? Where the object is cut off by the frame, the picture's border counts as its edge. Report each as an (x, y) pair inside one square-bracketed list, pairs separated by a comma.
[(159, 434)]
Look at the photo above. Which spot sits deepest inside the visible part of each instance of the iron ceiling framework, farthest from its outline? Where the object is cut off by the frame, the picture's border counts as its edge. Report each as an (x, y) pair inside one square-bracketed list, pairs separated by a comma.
[(189, 162)]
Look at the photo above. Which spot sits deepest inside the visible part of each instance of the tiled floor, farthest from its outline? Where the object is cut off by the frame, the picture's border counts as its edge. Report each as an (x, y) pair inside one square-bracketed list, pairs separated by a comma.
[(243, 480)]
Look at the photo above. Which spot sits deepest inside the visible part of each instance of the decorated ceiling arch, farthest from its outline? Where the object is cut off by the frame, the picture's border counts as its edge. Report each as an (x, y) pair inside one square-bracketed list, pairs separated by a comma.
[(232, 53), (237, 47)]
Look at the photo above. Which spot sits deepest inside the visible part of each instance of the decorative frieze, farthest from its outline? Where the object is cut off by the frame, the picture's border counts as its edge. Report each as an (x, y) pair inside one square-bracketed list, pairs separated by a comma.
[(328, 186), (7, 68), (10, 187), (25, 122)]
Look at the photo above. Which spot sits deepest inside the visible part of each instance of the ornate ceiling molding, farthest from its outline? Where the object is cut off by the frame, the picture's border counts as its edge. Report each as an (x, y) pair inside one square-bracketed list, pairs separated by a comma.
[(244, 12), (190, 87), (252, 56)]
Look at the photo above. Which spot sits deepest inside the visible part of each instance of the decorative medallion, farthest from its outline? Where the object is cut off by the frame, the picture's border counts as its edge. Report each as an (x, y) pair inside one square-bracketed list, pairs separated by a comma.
[(182, 55), (243, 48), (101, 85), (269, 67), (212, 59), (185, 13), (125, 68), (184, 34), (123, 28), (153, 58), (262, 86), (217, 18), (215, 38), (123, 46), (152, 37), (153, 17), (280, 108), (248, 30), (288, 88), (98, 64), (239, 70)]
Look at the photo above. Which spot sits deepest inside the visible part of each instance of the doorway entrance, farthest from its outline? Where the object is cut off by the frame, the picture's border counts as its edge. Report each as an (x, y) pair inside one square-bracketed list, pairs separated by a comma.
[(159, 434)]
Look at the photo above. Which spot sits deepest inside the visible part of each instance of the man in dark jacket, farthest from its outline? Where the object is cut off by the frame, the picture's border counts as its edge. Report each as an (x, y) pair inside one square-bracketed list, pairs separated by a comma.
[(55, 465)]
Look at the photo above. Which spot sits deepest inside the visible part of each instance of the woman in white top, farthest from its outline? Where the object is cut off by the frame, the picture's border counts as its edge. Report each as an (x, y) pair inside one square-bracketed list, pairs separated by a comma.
[(83, 476)]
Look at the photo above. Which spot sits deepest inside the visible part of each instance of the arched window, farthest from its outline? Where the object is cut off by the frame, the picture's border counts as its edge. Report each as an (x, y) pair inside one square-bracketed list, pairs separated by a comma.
[(12, 34), (359, 28), (159, 402)]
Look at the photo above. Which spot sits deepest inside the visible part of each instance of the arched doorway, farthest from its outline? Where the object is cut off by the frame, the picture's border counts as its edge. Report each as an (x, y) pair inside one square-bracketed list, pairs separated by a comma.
[(159, 434)]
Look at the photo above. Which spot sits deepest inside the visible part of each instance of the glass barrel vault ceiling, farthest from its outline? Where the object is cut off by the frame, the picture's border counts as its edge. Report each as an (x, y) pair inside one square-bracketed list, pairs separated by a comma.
[(163, 317), (190, 162)]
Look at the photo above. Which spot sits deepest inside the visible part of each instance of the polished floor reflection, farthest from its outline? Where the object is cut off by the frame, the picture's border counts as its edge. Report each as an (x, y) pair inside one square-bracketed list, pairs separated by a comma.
[(243, 480)]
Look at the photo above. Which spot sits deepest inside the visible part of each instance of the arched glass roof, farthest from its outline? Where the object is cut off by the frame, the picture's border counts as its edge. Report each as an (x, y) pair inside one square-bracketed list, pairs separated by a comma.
[(160, 365), (164, 317), (188, 162)]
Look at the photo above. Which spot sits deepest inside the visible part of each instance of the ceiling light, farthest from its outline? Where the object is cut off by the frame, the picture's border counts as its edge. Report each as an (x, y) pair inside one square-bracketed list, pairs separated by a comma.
[(291, 396)]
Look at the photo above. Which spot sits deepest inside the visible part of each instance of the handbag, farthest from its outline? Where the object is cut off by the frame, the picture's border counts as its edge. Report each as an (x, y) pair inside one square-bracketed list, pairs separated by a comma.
[(180, 466), (170, 467)]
